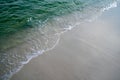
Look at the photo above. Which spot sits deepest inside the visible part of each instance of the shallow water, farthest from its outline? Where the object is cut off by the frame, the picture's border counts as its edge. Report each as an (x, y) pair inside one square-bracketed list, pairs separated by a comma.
[(28, 28)]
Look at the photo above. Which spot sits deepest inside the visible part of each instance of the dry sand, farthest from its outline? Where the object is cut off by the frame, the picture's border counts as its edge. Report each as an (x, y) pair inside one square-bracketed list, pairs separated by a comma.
[(88, 52)]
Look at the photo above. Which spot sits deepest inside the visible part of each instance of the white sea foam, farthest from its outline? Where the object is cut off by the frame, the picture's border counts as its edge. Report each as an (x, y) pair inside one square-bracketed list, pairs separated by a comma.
[(112, 5), (69, 27), (109, 6)]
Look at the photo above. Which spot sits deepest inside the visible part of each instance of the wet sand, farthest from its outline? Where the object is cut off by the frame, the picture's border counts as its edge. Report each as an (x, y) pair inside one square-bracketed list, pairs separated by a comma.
[(90, 51)]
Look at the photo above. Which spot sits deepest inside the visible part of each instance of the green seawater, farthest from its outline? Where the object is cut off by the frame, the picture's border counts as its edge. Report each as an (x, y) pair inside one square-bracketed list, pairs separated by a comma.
[(16, 15)]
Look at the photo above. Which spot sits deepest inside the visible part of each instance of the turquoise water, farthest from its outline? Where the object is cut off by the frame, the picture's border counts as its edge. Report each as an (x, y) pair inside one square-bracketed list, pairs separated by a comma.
[(20, 14), (30, 27)]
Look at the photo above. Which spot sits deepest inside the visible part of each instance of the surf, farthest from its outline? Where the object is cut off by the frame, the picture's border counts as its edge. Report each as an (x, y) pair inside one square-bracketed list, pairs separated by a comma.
[(36, 29)]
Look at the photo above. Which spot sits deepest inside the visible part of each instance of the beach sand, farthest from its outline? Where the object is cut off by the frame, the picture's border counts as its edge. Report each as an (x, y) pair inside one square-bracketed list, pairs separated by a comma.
[(90, 51)]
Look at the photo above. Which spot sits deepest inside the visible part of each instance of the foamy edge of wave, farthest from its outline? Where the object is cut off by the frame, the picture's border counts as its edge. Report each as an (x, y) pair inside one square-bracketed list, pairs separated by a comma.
[(112, 5), (30, 57), (108, 7)]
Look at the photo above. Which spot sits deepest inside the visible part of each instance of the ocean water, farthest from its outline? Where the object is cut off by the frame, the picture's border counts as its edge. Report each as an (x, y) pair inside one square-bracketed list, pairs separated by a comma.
[(28, 28)]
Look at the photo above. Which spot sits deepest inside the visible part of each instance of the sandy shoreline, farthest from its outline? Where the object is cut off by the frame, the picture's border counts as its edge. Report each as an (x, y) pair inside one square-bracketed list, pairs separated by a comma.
[(88, 52)]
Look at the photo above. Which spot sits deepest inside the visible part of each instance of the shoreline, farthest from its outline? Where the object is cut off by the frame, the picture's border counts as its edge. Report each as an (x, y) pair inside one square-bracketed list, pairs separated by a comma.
[(54, 54)]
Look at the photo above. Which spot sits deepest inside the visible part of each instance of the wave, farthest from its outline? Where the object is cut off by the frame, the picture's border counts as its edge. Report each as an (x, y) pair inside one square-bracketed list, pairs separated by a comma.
[(19, 48), (112, 5)]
